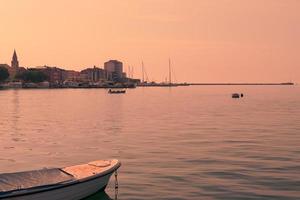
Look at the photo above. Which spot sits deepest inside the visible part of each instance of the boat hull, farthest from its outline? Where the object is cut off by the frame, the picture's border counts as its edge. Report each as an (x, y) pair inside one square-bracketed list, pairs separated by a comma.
[(74, 191)]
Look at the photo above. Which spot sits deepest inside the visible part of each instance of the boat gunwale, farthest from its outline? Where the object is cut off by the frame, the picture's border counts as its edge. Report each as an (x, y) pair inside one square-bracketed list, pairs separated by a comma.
[(45, 188)]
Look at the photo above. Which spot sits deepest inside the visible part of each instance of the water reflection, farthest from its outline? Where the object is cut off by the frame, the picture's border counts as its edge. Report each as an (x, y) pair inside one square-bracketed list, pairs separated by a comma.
[(15, 111), (100, 196)]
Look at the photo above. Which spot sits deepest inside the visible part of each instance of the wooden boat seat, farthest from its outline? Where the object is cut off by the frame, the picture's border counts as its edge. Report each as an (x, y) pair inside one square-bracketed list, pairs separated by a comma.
[(87, 170)]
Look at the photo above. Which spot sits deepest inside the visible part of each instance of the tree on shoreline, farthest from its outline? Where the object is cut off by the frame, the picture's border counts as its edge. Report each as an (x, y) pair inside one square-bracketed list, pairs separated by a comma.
[(34, 76), (3, 74)]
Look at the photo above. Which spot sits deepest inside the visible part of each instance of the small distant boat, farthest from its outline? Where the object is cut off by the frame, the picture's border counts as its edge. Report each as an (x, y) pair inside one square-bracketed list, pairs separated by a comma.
[(116, 91), (70, 183), (235, 95)]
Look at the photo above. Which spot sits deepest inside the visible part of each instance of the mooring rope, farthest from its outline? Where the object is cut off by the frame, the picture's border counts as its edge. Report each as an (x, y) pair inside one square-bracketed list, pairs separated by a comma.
[(116, 185)]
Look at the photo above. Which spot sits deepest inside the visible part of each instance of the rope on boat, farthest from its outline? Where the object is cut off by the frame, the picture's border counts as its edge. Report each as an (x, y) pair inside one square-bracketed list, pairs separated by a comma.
[(116, 185), (116, 180)]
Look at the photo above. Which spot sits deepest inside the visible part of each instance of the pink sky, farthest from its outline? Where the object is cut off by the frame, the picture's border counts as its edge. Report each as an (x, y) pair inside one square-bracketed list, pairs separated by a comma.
[(207, 40)]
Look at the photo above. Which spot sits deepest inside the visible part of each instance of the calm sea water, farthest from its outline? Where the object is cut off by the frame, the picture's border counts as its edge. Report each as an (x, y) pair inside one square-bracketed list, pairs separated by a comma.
[(174, 143)]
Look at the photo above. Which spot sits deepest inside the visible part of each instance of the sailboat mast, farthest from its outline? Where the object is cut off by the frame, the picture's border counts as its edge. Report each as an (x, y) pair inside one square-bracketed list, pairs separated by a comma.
[(170, 75), (143, 78), (132, 71), (128, 71)]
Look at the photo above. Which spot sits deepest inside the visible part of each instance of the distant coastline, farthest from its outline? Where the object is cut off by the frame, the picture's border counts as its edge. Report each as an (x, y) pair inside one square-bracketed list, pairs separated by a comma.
[(152, 84), (288, 83)]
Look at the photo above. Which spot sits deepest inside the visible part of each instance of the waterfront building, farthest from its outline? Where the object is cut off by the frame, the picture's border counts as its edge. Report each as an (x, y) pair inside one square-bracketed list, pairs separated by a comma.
[(83, 76), (114, 70), (71, 75), (56, 76), (94, 74)]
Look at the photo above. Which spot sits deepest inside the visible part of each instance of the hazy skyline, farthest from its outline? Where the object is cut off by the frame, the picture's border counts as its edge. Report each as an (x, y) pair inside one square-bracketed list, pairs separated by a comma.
[(207, 40)]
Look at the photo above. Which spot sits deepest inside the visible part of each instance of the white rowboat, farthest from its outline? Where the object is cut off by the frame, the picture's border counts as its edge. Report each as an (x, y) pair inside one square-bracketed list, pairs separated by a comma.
[(69, 183)]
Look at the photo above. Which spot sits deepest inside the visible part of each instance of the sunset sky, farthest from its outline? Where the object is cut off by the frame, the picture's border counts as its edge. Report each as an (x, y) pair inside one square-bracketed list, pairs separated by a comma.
[(207, 40)]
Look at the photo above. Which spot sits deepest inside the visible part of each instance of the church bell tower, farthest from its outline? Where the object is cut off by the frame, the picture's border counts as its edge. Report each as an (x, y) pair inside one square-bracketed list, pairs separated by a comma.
[(14, 61)]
